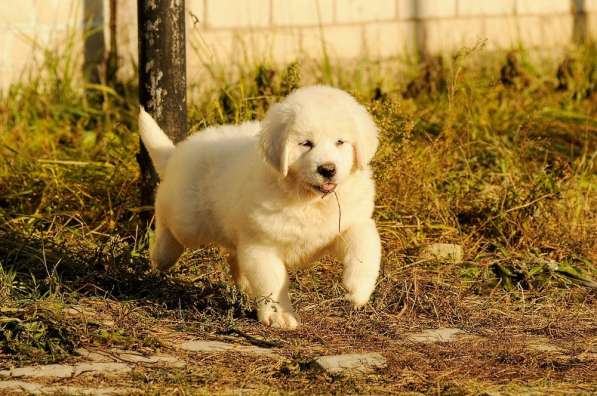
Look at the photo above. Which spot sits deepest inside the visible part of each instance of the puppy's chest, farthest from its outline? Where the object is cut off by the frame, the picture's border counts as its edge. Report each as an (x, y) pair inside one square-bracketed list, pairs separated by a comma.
[(303, 230)]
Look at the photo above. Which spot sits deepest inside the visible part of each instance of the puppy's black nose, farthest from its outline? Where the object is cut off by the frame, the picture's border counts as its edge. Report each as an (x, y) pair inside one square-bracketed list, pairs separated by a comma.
[(327, 170)]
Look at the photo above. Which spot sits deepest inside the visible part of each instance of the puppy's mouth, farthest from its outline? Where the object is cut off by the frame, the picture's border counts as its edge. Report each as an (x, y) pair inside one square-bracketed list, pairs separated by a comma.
[(325, 188)]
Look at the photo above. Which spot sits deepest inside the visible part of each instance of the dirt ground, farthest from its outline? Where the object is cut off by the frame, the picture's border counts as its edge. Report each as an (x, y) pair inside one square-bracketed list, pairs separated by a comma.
[(508, 344)]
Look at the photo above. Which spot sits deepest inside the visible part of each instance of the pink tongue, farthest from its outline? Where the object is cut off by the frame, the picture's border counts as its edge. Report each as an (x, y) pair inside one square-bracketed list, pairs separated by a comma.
[(328, 187)]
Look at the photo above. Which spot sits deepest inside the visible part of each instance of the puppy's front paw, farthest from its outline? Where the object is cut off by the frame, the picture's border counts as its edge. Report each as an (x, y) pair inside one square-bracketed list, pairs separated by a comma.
[(358, 294), (155, 267), (275, 316), (158, 267), (357, 300)]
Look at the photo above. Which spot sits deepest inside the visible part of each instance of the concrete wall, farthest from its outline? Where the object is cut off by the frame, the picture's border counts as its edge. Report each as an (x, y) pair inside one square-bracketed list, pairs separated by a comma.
[(229, 31)]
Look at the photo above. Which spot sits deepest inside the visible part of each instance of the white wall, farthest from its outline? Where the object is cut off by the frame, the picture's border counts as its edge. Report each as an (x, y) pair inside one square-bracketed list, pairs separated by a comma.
[(228, 31)]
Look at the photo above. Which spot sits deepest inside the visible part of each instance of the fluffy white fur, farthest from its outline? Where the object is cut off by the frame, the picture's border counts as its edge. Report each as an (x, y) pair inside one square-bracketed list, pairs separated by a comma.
[(255, 190)]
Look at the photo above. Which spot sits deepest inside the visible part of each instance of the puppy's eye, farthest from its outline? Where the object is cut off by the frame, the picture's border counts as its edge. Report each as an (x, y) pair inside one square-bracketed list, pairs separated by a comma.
[(340, 142), (307, 143)]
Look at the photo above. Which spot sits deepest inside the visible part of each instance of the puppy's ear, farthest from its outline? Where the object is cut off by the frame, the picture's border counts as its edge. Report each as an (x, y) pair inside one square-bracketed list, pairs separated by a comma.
[(273, 140), (366, 137)]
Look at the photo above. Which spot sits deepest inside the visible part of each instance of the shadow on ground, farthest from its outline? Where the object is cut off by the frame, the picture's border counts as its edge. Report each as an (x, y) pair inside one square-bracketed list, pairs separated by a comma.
[(114, 270)]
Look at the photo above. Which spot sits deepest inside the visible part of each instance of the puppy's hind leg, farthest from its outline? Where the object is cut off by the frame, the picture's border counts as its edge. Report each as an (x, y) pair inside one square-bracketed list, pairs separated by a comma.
[(166, 249), (239, 279)]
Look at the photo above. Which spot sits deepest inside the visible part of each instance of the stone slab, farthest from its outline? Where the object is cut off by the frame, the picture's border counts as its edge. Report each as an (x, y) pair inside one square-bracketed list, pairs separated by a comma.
[(217, 346), (443, 251), (542, 344), (359, 362), (444, 334), (65, 370), (127, 356), (40, 389)]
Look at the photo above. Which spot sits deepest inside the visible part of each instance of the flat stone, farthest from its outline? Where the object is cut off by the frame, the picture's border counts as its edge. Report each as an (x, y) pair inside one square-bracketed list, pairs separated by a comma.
[(359, 362), (586, 357), (93, 356), (443, 251), (121, 355), (101, 368), (444, 334), (39, 389), (160, 358), (217, 346), (66, 371), (50, 370), (83, 313), (21, 386), (542, 344), (76, 311)]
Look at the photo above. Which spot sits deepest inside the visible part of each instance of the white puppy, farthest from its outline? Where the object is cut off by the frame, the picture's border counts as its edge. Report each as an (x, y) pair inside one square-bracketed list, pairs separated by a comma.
[(265, 192)]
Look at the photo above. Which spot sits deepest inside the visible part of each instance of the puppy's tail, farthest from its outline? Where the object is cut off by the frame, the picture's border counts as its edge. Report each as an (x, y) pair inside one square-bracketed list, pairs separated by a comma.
[(156, 142)]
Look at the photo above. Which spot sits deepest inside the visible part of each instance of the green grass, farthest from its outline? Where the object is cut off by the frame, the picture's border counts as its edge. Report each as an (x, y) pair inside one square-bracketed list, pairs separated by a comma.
[(502, 163)]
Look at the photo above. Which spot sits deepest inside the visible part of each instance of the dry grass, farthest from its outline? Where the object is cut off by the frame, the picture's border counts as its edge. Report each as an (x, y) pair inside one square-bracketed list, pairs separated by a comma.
[(504, 168)]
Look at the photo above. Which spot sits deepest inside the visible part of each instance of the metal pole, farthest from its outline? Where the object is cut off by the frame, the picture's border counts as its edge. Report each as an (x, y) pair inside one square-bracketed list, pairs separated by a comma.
[(162, 77)]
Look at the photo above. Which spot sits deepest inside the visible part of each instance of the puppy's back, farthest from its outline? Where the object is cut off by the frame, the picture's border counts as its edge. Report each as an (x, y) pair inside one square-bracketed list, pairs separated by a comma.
[(207, 171)]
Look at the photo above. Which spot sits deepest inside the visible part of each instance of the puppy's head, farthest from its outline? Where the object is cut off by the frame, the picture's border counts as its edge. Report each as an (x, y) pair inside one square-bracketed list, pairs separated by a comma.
[(317, 137)]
